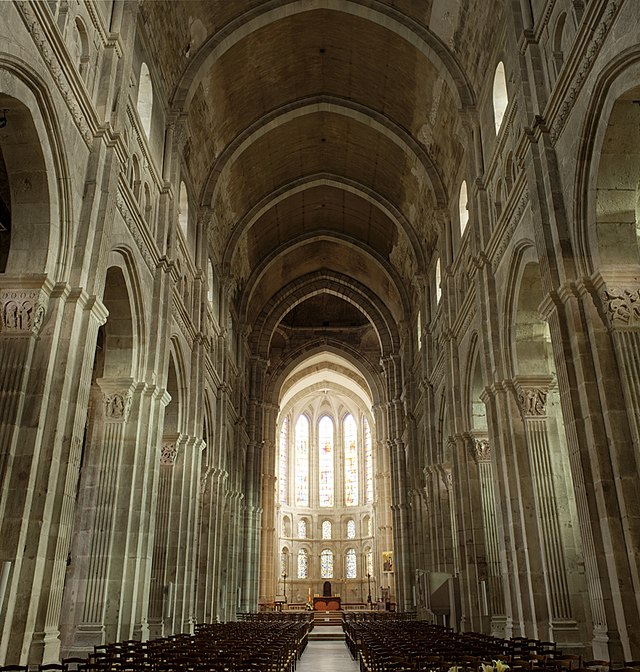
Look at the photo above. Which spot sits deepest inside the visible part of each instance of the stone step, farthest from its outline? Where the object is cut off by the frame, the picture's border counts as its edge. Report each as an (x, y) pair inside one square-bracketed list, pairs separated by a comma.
[(316, 636)]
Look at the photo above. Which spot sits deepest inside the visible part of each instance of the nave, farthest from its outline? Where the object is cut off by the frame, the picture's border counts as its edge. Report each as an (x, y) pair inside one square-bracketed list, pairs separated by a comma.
[(365, 641)]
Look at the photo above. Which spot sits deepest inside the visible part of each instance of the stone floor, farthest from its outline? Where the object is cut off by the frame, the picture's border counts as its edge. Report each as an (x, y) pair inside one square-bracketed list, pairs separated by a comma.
[(330, 656)]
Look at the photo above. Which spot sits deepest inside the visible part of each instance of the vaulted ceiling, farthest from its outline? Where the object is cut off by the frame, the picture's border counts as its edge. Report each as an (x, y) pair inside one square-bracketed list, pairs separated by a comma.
[(325, 141)]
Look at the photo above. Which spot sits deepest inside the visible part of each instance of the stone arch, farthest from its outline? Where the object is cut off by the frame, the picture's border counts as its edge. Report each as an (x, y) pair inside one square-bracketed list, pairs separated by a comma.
[(303, 352), (119, 347), (82, 53), (333, 283), (39, 193), (558, 44), (621, 75), (476, 387), (124, 258), (310, 237), (147, 207), (323, 179), (523, 253), (175, 412), (135, 178), (331, 104), (424, 40)]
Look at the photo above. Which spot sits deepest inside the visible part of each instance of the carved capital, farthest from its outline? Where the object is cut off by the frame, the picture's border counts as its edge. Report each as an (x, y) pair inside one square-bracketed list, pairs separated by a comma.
[(117, 406), (446, 475), (21, 312), (168, 454), (533, 401), (481, 450), (622, 307)]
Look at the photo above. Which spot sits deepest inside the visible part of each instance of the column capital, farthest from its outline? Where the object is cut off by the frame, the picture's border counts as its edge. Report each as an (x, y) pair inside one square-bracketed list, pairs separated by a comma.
[(22, 311), (117, 395), (532, 394)]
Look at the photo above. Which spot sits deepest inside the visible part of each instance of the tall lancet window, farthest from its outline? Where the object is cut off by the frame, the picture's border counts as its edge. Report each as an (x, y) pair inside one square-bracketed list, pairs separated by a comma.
[(302, 461), (303, 563), (369, 562), (326, 564), (368, 462), (283, 460), (350, 462), (351, 565), (325, 432)]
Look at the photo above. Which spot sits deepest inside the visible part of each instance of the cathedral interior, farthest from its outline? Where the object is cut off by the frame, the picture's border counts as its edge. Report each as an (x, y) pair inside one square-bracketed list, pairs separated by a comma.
[(319, 298)]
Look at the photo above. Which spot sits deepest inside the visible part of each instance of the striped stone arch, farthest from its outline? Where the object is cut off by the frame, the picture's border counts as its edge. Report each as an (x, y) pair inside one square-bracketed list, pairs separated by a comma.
[(423, 39), (325, 282)]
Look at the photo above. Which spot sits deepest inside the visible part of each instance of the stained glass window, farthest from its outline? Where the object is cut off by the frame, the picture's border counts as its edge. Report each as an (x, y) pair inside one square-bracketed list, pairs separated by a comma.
[(369, 558), (326, 529), (302, 529), (325, 435), (303, 563), (350, 565), (351, 529), (326, 564), (302, 461), (368, 463), (350, 462), (369, 527), (284, 561), (284, 460)]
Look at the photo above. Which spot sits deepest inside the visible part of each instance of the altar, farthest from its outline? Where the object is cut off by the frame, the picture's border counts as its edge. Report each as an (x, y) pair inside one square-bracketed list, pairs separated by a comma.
[(327, 603)]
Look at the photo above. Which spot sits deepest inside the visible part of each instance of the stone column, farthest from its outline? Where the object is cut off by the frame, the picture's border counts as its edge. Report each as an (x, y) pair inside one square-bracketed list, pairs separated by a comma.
[(160, 595), (584, 318), (99, 582), (42, 418), (481, 449), (172, 607), (532, 398), (470, 529), (268, 554), (622, 309)]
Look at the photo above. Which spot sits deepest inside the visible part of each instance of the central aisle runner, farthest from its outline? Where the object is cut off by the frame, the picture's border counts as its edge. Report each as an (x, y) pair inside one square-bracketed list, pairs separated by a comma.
[(322, 656)]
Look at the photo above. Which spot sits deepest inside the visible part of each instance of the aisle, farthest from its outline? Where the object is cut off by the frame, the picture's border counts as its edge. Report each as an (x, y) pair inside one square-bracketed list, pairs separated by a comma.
[(327, 656)]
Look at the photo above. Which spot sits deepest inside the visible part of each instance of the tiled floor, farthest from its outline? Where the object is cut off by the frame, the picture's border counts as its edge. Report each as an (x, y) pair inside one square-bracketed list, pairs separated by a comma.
[(327, 657)]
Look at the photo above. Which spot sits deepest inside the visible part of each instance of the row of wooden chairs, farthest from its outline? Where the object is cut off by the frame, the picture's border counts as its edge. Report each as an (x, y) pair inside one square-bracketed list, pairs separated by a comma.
[(419, 646), (273, 646), (415, 646)]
